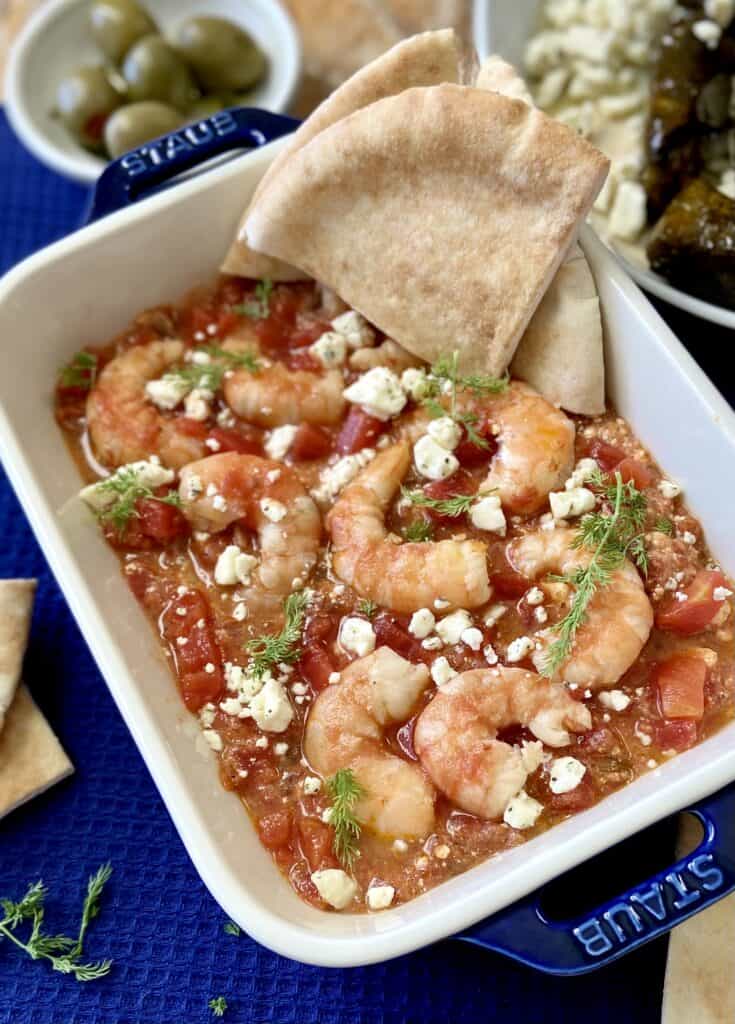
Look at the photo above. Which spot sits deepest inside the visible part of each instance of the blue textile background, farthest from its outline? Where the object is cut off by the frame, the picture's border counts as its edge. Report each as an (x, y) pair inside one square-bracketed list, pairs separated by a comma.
[(158, 923)]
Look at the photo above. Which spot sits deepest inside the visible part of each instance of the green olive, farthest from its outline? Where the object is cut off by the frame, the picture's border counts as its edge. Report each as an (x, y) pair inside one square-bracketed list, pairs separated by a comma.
[(84, 100), (207, 106), (117, 24), (222, 55), (136, 123), (154, 71)]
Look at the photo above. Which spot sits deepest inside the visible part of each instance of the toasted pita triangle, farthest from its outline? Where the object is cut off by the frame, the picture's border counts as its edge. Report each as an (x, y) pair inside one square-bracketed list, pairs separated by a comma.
[(441, 214), (426, 59), (16, 606), (561, 353)]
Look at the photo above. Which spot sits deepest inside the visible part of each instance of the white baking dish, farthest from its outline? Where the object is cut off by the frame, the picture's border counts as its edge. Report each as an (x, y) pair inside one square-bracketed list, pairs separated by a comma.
[(503, 27), (86, 288)]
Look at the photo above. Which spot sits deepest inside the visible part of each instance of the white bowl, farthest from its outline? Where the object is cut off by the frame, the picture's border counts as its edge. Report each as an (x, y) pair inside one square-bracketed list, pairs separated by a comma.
[(502, 27), (56, 41), (68, 296)]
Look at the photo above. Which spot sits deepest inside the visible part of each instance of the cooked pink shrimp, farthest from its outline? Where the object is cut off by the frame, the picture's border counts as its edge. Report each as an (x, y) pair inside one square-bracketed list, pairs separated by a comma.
[(619, 617), (536, 448), (456, 734), (266, 497), (389, 354), (123, 425), (407, 576), (346, 729)]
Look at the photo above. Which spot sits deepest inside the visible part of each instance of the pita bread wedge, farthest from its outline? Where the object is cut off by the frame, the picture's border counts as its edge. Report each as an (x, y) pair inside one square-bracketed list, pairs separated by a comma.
[(31, 757), (441, 214), (16, 606), (561, 353), (426, 59)]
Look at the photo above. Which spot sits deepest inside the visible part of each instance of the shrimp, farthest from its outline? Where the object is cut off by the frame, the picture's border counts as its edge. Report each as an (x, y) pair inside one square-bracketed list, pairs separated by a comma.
[(265, 496), (456, 734), (619, 617), (346, 727), (404, 577), (276, 395), (123, 425), (536, 449), (389, 354)]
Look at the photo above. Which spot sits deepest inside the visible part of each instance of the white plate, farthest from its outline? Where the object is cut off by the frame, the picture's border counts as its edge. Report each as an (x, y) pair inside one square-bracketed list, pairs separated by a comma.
[(56, 40), (69, 295), (502, 27)]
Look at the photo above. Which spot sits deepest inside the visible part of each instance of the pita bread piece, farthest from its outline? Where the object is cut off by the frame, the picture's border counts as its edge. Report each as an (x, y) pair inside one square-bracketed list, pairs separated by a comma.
[(31, 757), (426, 59), (16, 607), (497, 75), (441, 214)]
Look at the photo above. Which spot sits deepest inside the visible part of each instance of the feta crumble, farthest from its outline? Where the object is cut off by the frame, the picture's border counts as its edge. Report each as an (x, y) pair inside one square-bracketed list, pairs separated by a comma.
[(432, 461), (168, 391), (616, 700), (422, 623), (213, 739), (380, 897), (441, 671), (355, 329), (445, 432), (311, 785), (279, 441), (472, 637), (378, 392), (669, 489), (451, 627), (721, 593), (335, 887), (574, 502), (566, 774), (519, 649), (522, 811), (490, 656), (338, 475), (707, 32), (535, 596), (487, 514), (493, 615), (146, 473), (330, 350), (234, 566), (271, 707), (583, 471), (273, 510), (356, 636), (415, 383), (197, 404)]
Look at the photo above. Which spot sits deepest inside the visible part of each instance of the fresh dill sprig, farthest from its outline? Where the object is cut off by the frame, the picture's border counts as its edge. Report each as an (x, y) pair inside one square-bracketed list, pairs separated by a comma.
[(469, 420), (232, 360), (419, 531), (345, 791), (208, 376), (125, 485), (612, 537), (284, 647), (218, 1006), (63, 953), (445, 378), (79, 372), (259, 307), (664, 525), (231, 928), (367, 607), (453, 507)]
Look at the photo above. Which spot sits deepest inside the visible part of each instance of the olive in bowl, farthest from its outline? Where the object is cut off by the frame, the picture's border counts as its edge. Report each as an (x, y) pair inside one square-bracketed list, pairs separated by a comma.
[(222, 55), (116, 25), (136, 123), (153, 70), (85, 98)]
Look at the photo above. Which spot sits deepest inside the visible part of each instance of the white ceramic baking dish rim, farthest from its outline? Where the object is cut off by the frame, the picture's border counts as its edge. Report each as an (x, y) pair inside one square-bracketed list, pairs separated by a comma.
[(351, 940)]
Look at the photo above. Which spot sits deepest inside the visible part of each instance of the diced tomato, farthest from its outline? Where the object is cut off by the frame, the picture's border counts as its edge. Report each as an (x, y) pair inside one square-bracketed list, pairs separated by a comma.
[(196, 320), (191, 428), (509, 584), (189, 618), (319, 628), (311, 442), (275, 829), (680, 681), (315, 840), (359, 430), (307, 334), (470, 454), (226, 322), (460, 482), (302, 359), (231, 291), (636, 472), (677, 735), (240, 439), (696, 613), (389, 631), (316, 665), (608, 456), (160, 521), (578, 799)]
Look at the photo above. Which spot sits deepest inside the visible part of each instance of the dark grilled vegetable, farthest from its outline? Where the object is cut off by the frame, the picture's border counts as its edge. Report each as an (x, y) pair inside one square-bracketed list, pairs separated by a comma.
[(693, 244)]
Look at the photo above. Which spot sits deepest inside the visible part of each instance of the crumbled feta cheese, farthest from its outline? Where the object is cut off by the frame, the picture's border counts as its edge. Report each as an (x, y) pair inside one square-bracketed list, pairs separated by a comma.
[(311, 785), (472, 637), (688, 537), (280, 749), (330, 350), (231, 706), (193, 487), (616, 700), (415, 383), (490, 656), (442, 851), (442, 671), (356, 636), (566, 774), (262, 742), (378, 392), (219, 503), (400, 845), (540, 615), (167, 392), (451, 627), (522, 811), (213, 739), (519, 649), (422, 623), (532, 755), (334, 678), (628, 214), (574, 502), (335, 887), (355, 329), (234, 566), (669, 489), (721, 593), (273, 510), (206, 715), (707, 32), (487, 514), (535, 596), (327, 815), (271, 707), (432, 461), (279, 441), (380, 897), (240, 612), (493, 615), (338, 475), (643, 737), (197, 404), (440, 604), (583, 471), (146, 473), (445, 432), (432, 643)]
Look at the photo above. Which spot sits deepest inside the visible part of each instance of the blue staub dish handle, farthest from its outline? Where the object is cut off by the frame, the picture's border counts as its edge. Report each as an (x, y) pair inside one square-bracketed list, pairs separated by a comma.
[(131, 176), (644, 912)]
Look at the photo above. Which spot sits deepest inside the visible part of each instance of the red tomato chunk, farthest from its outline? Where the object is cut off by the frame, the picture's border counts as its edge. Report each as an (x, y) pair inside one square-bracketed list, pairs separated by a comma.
[(460, 482), (310, 442), (359, 430), (160, 521), (680, 681), (677, 735), (244, 441), (199, 658), (696, 613), (636, 472)]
